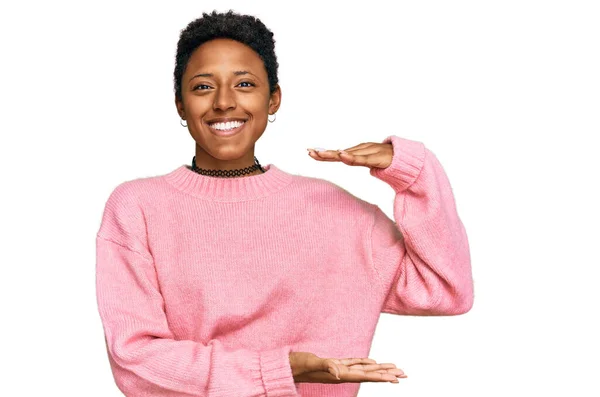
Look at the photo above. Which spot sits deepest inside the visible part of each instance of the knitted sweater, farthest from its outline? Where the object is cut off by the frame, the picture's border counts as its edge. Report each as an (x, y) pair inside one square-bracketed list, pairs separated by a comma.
[(205, 285)]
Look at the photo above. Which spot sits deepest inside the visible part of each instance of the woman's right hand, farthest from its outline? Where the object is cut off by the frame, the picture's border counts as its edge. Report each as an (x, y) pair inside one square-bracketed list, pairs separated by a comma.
[(309, 368)]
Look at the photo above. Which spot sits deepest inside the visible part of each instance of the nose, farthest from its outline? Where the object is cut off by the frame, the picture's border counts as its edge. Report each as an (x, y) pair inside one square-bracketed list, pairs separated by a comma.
[(224, 99)]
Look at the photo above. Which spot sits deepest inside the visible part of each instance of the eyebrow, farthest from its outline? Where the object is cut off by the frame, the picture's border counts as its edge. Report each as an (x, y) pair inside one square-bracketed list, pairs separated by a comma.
[(237, 73)]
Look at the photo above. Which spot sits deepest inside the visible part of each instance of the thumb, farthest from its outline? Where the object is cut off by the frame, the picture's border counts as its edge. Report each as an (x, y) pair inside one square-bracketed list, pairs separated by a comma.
[(329, 366), (308, 362)]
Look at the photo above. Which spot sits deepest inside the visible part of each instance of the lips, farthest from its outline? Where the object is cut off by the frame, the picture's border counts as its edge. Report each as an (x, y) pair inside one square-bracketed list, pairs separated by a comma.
[(226, 133), (225, 120)]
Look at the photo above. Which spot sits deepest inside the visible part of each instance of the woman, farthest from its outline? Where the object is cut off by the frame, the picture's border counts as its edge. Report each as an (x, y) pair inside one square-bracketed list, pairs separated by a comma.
[(227, 278)]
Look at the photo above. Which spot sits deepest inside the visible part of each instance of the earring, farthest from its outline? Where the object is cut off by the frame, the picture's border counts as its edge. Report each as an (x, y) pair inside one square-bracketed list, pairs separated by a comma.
[(181, 122), (270, 121)]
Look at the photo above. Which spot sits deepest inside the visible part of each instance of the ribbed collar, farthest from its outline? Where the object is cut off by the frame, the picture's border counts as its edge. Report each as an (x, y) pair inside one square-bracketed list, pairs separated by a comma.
[(229, 189)]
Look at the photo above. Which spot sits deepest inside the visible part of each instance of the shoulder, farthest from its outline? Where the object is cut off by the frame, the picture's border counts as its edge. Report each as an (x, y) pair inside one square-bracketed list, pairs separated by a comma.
[(130, 192), (127, 201)]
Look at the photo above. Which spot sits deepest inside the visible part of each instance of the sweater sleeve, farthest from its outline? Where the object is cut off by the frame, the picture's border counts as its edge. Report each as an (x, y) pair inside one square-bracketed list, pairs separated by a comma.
[(145, 356), (422, 256)]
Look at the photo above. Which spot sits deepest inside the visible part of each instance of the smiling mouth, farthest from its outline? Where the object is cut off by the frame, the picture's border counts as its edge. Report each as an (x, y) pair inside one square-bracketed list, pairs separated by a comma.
[(226, 129)]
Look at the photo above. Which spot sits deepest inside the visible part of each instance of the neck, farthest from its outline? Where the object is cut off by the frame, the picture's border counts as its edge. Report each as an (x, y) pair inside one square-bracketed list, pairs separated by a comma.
[(205, 161)]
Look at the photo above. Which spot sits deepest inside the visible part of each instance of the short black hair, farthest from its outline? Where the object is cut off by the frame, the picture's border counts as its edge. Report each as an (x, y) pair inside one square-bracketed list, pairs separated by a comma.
[(246, 29)]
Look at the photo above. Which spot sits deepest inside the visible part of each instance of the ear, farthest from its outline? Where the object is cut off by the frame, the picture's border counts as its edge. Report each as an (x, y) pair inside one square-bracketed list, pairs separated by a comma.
[(180, 108), (275, 100)]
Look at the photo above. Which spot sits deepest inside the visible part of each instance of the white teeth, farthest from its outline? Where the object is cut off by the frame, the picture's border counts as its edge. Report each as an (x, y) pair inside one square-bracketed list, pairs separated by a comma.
[(227, 126)]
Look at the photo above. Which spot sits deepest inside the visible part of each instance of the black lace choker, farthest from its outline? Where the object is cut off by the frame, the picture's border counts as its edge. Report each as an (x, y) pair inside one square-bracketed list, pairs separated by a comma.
[(227, 173)]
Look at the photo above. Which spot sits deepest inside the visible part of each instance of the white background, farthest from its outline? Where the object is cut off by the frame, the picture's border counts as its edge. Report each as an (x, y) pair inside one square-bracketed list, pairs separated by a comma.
[(505, 93)]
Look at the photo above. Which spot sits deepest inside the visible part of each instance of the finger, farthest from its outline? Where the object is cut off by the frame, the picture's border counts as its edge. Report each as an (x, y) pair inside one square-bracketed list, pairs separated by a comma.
[(336, 155), (352, 361), (354, 160), (388, 365), (368, 160), (363, 147), (374, 376), (326, 153), (334, 371), (359, 146), (319, 150), (315, 155), (372, 367), (394, 371), (326, 377), (364, 151), (331, 367), (362, 376)]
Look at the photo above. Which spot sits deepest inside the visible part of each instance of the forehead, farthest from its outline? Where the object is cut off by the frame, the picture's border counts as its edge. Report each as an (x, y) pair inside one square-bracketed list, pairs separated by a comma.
[(224, 54)]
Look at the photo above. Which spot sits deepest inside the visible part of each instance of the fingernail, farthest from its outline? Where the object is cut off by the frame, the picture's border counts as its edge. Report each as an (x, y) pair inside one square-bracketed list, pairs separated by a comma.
[(319, 149)]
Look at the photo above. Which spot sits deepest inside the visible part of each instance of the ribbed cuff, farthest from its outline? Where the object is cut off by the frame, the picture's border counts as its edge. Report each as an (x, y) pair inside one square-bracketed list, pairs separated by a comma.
[(277, 374), (407, 162)]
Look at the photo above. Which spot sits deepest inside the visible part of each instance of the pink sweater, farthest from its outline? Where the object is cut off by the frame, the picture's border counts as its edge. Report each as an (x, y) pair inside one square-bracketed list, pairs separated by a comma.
[(204, 285)]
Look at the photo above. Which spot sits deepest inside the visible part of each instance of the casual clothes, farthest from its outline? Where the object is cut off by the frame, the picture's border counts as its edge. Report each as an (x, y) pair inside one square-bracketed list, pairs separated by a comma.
[(206, 284)]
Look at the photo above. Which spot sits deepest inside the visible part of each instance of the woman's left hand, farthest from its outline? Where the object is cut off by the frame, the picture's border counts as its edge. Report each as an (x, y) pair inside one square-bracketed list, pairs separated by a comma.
[(368, 154)]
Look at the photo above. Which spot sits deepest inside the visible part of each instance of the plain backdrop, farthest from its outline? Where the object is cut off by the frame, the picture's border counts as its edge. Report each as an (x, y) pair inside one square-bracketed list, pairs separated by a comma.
[(505, 93)]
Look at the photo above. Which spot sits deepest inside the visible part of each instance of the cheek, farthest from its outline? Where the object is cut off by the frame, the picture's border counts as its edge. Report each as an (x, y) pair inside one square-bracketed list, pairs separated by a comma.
[(257, 105), (197, 105)]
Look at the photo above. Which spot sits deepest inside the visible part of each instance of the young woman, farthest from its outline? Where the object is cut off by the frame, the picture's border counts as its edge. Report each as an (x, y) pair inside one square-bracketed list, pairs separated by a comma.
[(227, 278)]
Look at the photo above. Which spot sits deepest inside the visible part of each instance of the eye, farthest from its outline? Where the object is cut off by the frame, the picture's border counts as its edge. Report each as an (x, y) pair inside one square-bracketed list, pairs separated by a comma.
[(247, 82), (200, 85)]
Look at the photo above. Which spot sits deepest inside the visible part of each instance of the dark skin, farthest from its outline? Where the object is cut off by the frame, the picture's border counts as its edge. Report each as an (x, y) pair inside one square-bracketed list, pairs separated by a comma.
[(226, 94), (247, 96)]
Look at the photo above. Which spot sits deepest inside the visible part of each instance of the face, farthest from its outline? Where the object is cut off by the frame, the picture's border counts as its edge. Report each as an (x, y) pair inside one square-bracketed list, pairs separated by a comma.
[(225, 79)]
